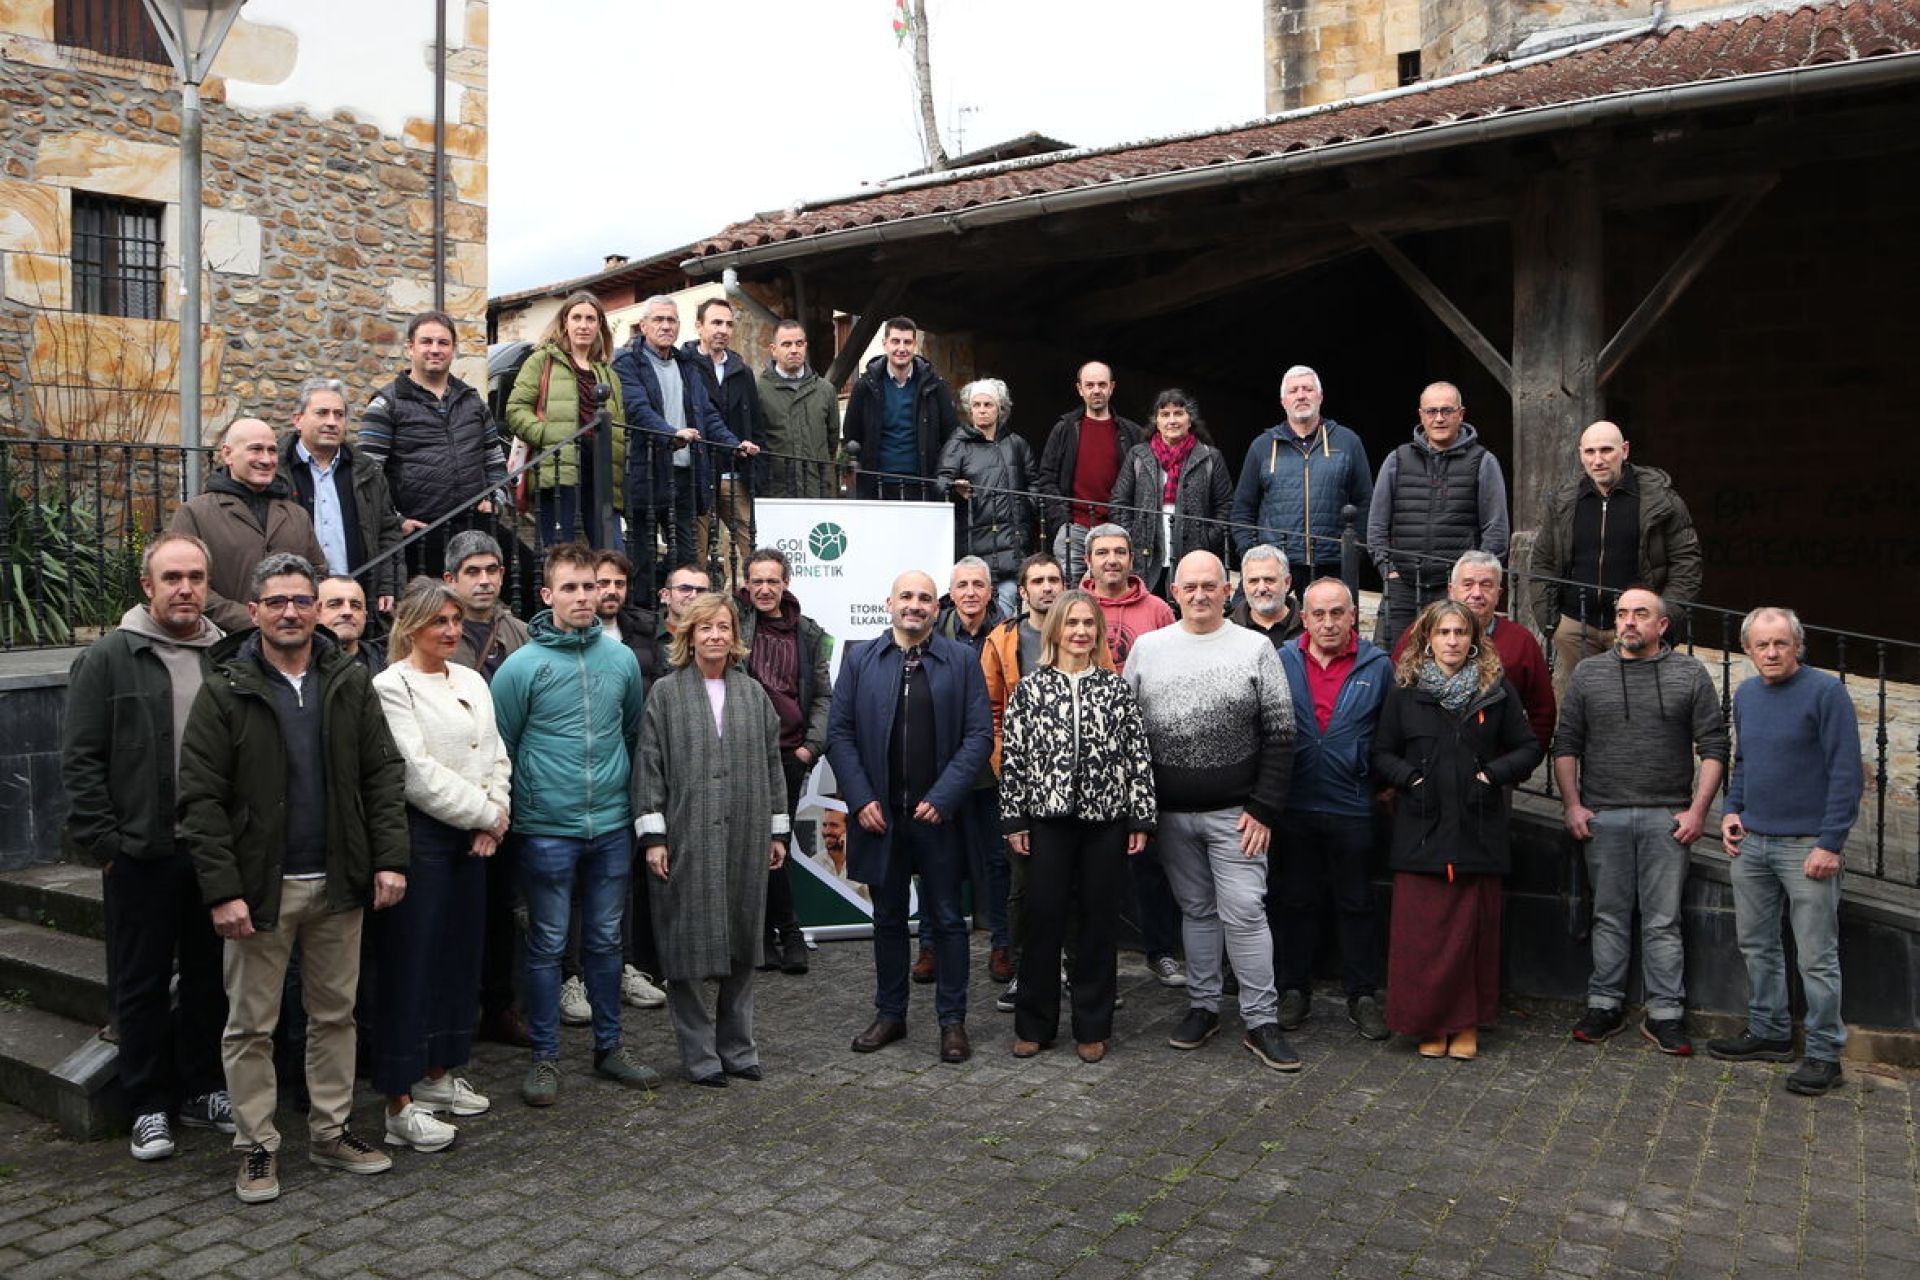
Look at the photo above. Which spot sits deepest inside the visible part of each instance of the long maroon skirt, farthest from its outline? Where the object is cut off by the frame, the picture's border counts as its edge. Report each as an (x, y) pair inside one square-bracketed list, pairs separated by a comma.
[(1443, 954)]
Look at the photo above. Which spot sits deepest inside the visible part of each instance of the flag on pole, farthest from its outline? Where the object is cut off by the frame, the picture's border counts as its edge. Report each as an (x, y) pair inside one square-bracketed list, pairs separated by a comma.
[(899, 22)]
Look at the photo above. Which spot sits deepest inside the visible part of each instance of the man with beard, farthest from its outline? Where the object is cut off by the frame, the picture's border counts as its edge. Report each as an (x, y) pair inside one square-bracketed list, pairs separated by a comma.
[(1132, 611), (623, 618), (1299, 477), (1267, 604)]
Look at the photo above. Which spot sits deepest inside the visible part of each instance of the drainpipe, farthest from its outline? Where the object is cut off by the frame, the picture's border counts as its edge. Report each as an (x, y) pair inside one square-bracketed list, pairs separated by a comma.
[(440, 155), (730, 281)]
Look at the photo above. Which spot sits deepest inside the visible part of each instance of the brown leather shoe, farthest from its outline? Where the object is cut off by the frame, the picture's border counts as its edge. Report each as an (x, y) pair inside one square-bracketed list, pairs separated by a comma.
[(1464, 1046), (505, 1026), (923, 965), (1092, 1051), (1000, 965), (882, 1033), (954, 1046), (1025, 1048)]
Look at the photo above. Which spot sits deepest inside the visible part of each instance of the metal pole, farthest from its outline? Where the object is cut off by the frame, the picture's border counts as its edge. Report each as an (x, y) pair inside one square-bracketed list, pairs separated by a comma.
[(190, 426)]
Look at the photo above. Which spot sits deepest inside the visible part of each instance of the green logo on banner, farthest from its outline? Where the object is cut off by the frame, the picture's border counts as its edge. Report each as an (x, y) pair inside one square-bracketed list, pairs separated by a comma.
[(827, 541)]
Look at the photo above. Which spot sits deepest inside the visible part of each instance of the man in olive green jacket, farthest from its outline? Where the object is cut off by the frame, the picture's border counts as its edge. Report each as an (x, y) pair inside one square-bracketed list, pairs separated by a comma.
[(802, 411), (293, 805)]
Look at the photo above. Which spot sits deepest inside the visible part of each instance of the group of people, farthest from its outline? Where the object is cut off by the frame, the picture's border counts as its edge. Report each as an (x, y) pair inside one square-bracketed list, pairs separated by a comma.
[(255, 774)]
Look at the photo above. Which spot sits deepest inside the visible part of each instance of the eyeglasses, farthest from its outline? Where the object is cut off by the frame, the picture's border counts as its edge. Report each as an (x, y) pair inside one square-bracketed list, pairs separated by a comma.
[(684, 589), (1440, 411), (278, 604)]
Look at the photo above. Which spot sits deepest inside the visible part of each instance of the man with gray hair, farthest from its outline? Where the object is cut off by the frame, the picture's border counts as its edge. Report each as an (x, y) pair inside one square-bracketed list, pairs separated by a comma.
[(350, 505), (1267, 604), (1131, 610), (1299, 477), (1795, 792)]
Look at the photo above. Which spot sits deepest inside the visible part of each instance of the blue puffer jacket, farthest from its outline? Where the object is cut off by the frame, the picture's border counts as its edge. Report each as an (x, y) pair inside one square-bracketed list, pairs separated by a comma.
[(568, 707), (1333, 770), (1292, 490)]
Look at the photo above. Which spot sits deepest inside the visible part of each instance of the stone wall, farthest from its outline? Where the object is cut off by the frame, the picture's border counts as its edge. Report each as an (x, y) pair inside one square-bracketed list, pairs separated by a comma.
[(318, 234)]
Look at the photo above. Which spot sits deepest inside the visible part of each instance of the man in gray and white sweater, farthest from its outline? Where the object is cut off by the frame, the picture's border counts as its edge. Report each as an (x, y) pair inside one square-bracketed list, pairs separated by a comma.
[(1220, 726), (1632, 723)]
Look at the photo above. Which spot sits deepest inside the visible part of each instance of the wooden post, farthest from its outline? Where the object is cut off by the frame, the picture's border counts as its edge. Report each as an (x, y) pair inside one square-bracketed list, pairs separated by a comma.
[(1557, 333)]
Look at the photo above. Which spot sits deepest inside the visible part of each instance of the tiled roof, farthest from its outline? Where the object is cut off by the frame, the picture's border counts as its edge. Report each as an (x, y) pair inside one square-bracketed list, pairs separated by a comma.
[(1764, 37)]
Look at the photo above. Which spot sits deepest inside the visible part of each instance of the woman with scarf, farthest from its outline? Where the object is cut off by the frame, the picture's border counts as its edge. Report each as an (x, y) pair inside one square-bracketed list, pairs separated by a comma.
[(1173, 493), (1453, 736)]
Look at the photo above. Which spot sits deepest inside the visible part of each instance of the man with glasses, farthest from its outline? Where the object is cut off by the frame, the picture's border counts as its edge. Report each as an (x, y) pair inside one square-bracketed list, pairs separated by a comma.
[(1438, 495), (684, 582), (1220, 727), (351, 506), (293, 806)]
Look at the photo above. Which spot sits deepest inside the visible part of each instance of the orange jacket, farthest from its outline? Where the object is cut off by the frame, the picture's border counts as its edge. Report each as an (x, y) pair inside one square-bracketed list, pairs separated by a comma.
[(1000, 663)]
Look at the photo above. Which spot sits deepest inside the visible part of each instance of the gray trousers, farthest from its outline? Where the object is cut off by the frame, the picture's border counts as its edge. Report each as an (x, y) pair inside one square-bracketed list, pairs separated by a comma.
[(1223, 898), (1634, 857), (719, 1042)]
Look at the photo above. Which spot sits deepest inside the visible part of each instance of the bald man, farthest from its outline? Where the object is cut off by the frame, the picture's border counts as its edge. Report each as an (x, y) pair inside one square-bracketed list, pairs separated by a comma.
[(1619, 525), (247, 512), (908, 733)]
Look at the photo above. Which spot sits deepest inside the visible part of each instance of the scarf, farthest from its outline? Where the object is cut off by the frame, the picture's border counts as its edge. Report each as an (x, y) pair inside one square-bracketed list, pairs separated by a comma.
[(1171, 458), (1453, 691)]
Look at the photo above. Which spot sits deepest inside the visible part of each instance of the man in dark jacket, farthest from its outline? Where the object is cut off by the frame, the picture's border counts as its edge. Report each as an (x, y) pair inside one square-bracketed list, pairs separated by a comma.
[(907, 735), (788, 654), (1298, 479), (247, 513), (1325, 838), (293, 805), (1617, 526), (801, 412), (351, 507), (673, 427), (127, 704), (343, 612), (1266, 603), (438, 443), (731, 386), (898, 415), (1080, 462), (1437, 496)]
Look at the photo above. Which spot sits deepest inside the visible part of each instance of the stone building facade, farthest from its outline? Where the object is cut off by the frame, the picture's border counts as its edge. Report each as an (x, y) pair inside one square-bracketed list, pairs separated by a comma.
[(319, 211)]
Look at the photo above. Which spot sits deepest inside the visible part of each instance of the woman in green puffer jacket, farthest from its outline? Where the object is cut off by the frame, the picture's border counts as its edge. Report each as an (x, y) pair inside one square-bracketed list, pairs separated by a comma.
[(552, 398)]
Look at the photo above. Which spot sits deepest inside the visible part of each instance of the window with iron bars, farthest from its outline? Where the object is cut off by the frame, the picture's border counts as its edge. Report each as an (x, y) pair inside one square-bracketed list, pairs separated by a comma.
[(111, 28), (117, 256)]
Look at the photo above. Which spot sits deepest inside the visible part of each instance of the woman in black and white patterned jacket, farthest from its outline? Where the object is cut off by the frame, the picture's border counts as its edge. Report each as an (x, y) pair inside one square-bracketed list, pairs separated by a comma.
[(1076, 799)]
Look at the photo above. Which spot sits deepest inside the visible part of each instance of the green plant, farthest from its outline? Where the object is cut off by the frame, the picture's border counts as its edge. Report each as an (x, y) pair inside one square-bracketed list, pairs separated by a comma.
[(61, 568)]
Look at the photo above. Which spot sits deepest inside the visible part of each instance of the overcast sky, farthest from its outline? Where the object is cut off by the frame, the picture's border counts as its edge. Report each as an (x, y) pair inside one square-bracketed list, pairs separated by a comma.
[(634, 126)]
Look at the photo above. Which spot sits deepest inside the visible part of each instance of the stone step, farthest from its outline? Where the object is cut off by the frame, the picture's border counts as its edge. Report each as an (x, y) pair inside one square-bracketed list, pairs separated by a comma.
[(56, 972), (60, 1070), (61, 895)]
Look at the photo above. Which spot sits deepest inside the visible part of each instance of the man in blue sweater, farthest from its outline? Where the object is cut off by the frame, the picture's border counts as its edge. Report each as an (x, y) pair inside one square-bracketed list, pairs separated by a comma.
[(1795, 790)]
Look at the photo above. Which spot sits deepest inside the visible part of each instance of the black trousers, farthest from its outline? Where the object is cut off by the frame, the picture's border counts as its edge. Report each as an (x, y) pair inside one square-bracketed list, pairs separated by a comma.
[(1317, 854), (499, 937), (169, 1051), (1074, 871)]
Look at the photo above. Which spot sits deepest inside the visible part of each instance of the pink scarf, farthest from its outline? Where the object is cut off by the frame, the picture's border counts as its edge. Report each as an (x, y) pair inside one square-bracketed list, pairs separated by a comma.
[(1171, 458)]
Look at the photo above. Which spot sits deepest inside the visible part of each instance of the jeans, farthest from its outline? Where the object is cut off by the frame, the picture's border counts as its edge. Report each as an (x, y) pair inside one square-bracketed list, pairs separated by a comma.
[(987, 868), (1634, 857), (1222, 895), (1314, 852), (549, 866), (934, 853), (1768, 873)]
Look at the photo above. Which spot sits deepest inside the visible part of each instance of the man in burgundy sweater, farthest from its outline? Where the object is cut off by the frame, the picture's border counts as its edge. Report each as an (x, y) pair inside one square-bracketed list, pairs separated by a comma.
[(1079, 464)]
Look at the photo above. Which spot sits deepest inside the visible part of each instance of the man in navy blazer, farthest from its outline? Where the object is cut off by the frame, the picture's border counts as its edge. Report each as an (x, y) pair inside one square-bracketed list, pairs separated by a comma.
[(909, 732)]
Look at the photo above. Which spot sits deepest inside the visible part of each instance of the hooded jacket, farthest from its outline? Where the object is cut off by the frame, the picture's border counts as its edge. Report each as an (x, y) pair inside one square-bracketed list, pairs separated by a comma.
[(1201, 506), (1432, 504), (438, 455), (1130, 615), (1669, 559), (233, 781), (243, 526), (1636, 726), (934, 415), (1292, 492), (544, 409), (1333, 767), (374, 525), (568, 707), (999, 527), (650, 450), (802, 423), (1061, 455)]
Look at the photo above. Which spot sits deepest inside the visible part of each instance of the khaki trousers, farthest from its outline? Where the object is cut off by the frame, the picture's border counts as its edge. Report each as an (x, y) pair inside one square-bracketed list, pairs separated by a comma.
[(736, 523), (255, 970), (1574, 642)]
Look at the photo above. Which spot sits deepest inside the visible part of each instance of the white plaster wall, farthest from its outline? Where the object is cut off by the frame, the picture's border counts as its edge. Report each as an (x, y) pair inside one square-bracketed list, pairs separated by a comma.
[(371, 57)]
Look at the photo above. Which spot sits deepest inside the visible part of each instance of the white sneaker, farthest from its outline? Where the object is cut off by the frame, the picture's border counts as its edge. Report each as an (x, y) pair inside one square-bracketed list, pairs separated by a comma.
[(152, 1136), (450, 1093), (416, 1127), (638, 990), (574, 1009)]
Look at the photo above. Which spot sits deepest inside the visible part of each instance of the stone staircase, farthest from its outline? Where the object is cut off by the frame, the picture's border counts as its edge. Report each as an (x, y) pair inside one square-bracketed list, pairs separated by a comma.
[(53, 1000)]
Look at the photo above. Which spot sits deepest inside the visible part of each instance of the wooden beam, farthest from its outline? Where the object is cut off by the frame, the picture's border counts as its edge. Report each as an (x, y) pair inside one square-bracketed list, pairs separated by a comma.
[(1200, 278), (885, 297), (1691, 262), (1442, 307)]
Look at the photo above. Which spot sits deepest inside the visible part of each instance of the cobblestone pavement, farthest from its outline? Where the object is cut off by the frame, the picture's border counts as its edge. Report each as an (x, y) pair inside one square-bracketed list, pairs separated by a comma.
[(1542, 1158)]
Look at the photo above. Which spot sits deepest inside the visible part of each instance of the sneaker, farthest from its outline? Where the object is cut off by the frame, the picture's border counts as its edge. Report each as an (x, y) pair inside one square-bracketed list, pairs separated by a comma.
[(1167, 971), (451, 1094), (259, 1177), (1008, 994), (1267, 1044), (208, 1111), (574, 1009), (1668, 1035), (617, 1065), (1295, 1008), (793, 950), (1815, 1076), (1747, 1047), (1365, 1013), (350, 1153), (416, 1127), (1597, 1025), (152, 1136), (1195, 1029), (639, 990), (541, 1088)]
